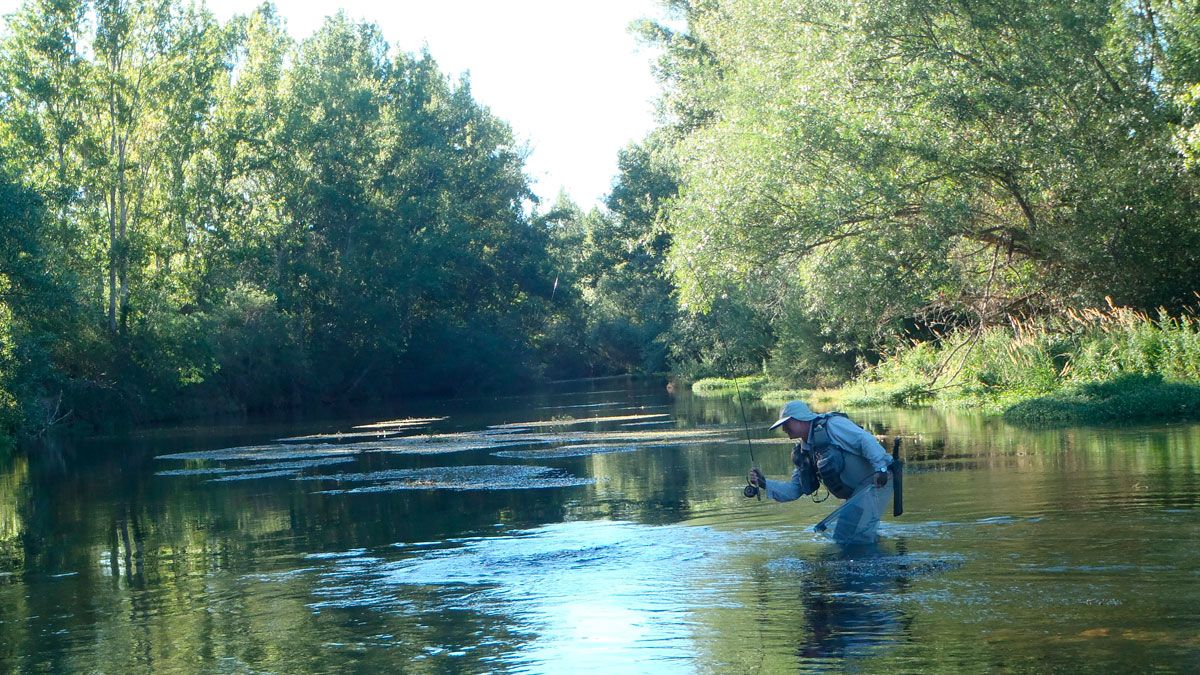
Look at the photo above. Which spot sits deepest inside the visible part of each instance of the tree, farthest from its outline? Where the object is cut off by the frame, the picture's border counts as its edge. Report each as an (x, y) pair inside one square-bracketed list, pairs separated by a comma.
[(254, 222), (35, 307), (927, 161)]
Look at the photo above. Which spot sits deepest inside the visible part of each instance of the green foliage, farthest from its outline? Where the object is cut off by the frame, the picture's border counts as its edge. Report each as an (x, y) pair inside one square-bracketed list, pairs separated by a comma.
[(35, 308), (241, 222), (900, 168), (1179, 69), (751, 385), (806, 352), (200, 215), (609, 264), (1125, 399), (732, 336), (1047, 370), (1123, 341)]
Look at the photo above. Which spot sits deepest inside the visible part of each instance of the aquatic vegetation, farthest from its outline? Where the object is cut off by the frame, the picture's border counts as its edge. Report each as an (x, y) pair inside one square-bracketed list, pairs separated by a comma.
[(279, 466), (402, 423), (769, 440), (581, 444), (566, 422), (436, 444), (428, 444), (583, 405), (506, 430), (255, 475), (339, 436), (560, 452), (267, 453), (610, 442), (666, 436), (384, 429), (664, 406), (482, 477)]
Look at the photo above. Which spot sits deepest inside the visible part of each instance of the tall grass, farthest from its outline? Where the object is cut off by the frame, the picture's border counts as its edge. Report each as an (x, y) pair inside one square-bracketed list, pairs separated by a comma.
[(998, 367)]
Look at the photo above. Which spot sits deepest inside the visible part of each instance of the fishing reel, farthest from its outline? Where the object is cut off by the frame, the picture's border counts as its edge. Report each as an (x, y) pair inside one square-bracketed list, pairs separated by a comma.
[(750, 491)]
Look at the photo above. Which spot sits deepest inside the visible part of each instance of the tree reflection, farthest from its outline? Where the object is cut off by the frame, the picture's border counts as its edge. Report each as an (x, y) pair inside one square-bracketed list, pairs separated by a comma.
[(14, 477)]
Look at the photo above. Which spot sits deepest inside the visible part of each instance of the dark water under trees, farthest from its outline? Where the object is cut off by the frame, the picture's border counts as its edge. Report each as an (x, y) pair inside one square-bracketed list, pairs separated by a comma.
[(1071, 549)]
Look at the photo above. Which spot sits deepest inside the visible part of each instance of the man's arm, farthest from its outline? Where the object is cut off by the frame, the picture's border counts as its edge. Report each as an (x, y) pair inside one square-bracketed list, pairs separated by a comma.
[(859, 441), (784, 490)]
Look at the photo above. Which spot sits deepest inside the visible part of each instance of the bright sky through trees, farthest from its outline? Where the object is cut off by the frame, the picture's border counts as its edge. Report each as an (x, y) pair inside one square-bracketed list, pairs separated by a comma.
[(568, 75)]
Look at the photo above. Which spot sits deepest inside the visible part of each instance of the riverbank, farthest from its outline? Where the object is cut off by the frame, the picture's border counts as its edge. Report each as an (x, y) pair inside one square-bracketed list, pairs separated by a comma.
[(1090, 367)]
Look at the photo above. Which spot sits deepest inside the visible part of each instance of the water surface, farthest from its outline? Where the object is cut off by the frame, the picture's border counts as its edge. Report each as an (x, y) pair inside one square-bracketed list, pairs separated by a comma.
[(616, 545)]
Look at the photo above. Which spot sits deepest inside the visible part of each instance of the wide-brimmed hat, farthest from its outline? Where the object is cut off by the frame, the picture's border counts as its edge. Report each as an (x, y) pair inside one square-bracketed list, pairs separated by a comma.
[(794, 410)]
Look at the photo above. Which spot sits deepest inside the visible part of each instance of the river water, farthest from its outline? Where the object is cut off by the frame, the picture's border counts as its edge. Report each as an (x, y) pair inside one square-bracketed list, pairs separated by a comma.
[(622, 545)]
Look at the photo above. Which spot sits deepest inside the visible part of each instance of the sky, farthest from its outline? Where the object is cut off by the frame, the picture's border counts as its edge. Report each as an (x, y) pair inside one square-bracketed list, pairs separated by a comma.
[(568, 76)]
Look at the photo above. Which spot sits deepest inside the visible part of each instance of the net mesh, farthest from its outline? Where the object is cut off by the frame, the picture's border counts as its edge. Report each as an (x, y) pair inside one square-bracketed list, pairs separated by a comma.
[(857, 521)]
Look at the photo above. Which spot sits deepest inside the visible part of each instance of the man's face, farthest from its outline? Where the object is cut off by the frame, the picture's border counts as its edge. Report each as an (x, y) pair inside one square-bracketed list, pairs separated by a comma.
[(795, 428)]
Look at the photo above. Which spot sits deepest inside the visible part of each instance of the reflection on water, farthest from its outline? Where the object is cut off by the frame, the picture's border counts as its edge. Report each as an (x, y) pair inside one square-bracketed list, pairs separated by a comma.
[(12, 488), (605, 594), (1020, 550), (847, 594)]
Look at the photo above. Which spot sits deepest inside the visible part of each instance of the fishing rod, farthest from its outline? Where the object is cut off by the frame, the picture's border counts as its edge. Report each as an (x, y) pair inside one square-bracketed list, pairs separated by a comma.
[(751, 490)]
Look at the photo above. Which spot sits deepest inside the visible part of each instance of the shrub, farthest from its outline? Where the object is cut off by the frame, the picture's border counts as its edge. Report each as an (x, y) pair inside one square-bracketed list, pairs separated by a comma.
[(1128, 398)]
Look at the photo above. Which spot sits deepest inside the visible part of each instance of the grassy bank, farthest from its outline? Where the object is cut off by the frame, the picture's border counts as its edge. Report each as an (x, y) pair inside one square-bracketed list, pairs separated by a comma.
[(751, 385), (1085, 367), (1128, 398), (760, 387)]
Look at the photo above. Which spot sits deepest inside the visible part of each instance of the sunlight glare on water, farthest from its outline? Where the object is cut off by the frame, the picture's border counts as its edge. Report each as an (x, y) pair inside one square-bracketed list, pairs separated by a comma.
[(609, 594)]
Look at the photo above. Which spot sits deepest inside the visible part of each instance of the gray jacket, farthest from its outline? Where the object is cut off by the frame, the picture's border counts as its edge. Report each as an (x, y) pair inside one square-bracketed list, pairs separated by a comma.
[(864, 457)]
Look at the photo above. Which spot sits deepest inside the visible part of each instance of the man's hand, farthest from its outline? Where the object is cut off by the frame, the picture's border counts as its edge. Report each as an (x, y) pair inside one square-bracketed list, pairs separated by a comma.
[(881, 478), (756, 478)]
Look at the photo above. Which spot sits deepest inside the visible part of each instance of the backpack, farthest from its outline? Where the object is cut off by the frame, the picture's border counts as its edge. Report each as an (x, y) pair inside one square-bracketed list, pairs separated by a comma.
[(822, 461)]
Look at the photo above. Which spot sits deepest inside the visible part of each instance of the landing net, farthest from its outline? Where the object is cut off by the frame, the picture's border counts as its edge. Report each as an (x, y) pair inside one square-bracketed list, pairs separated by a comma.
[(857, 521)]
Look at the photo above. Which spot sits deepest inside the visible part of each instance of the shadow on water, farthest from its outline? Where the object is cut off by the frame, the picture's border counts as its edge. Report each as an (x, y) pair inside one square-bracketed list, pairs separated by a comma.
[(848, 594), (828, 606)]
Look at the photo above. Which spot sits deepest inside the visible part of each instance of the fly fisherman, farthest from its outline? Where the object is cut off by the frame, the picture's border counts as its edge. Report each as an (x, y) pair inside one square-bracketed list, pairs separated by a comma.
[(834, 452)]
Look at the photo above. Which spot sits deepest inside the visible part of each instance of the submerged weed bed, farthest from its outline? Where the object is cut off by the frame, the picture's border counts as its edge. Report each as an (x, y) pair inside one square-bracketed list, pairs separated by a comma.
[(483, 477), (429, 444), (405, 423), (291, 459), (575, 421), (436, 444), (340, 436), (294, 467)]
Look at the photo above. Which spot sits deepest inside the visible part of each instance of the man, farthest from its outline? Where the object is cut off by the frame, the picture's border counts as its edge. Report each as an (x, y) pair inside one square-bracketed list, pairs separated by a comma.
[(832, 451)]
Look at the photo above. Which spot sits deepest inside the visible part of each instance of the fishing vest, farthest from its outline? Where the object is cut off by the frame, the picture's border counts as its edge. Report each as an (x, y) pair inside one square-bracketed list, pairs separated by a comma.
[(822, 461)]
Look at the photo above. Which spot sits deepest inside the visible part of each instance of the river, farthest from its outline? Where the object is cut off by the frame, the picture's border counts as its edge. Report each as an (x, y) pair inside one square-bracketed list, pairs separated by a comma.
[(514, 535)]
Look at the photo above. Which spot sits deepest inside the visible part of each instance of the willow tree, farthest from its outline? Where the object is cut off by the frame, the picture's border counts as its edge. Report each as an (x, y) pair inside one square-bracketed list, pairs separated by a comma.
[(884, 162)]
